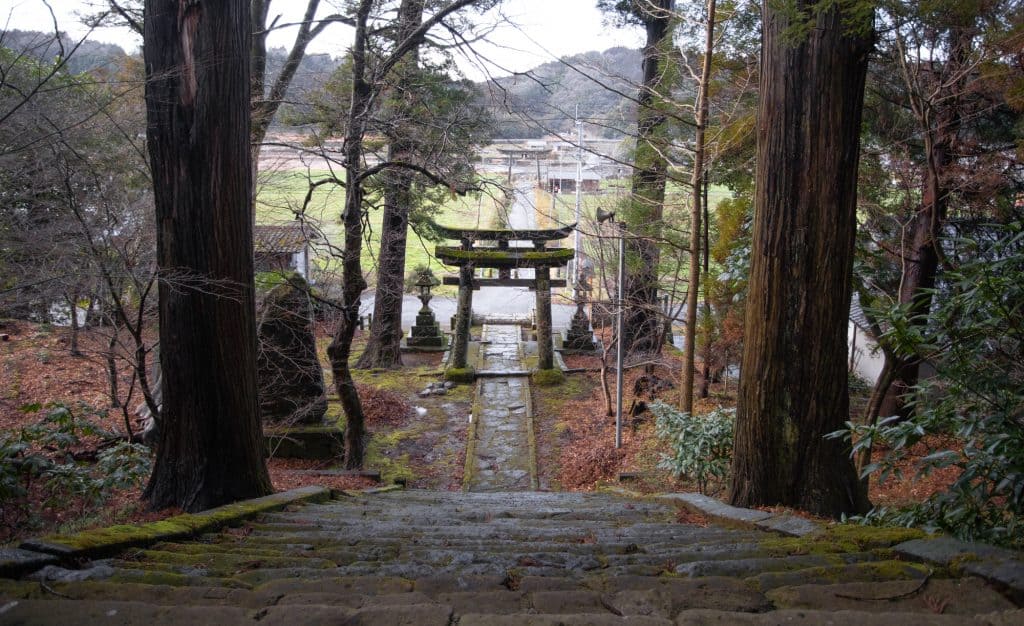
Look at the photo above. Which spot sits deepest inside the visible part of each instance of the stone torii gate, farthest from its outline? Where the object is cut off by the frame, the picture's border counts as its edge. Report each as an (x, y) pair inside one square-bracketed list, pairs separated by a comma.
[(504, 258)]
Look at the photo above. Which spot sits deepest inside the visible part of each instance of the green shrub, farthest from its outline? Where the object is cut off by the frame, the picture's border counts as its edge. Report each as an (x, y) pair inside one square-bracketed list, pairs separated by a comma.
[(51, 461), (701, 445), (975, 340), (265, 281)]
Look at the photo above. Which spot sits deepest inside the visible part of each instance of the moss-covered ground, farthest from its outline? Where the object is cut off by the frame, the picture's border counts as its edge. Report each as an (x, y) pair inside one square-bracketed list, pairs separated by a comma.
[(424, 448)]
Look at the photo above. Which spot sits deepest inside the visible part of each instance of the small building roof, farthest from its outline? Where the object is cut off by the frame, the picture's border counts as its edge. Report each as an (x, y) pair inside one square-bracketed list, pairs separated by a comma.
[(274, 238)]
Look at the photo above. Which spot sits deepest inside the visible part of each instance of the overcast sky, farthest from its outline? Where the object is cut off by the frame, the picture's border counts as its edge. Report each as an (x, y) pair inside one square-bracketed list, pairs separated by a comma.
[(534, 32)]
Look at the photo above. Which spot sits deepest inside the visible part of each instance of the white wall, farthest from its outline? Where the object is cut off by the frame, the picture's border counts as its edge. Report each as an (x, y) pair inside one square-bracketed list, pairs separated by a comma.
[(867, 358)]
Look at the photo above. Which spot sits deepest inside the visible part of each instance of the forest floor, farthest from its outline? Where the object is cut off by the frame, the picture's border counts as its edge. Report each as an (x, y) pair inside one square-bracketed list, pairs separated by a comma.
[(417, 440)]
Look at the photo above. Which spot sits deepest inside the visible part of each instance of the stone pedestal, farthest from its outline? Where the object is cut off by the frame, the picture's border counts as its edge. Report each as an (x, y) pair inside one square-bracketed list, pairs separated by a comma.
[(304, 442), (579, 336), (426, 333)]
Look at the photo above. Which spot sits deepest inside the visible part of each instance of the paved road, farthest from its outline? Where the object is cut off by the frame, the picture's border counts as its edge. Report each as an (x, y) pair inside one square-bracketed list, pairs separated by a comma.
[(487, 301)]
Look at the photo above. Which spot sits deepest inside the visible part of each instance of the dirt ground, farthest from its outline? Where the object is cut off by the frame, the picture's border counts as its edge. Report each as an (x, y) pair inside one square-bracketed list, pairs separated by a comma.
[(416, 440)]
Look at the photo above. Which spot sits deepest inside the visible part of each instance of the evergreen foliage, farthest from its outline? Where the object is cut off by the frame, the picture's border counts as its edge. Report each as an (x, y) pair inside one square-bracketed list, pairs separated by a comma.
[(701, 444), (975, 340), (49, 458)]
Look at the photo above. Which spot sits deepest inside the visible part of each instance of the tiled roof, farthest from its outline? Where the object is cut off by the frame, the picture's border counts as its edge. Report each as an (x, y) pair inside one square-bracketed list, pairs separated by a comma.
[(289, 238)]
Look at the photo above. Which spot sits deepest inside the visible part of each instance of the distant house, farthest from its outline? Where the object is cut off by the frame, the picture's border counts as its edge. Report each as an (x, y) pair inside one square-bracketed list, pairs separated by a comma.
[(283, 248), (564, 180)]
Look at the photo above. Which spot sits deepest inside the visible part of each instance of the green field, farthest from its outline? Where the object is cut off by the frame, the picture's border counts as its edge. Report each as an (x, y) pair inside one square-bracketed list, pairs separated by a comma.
[(614, 191), (281, 195)]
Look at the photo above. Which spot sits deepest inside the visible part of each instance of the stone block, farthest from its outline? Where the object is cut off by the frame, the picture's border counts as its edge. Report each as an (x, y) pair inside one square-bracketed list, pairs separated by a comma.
[(790, 525), (304, 442), (718, 510), (15, 561)]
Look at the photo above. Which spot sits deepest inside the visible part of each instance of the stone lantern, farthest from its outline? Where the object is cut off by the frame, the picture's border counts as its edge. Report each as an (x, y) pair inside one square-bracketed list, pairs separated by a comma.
[(427, 332)]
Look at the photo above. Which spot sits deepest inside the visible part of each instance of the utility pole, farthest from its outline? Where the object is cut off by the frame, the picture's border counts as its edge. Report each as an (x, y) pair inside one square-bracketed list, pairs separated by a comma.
[(577, 272)]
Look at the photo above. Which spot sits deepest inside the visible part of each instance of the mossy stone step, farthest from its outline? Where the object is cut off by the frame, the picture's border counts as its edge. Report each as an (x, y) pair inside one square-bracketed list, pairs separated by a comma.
[(873, 571), (967, 596), (455, 559), (752, 566)]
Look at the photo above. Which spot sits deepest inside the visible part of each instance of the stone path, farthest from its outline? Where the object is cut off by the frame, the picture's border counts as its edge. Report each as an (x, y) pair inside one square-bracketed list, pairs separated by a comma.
[(529, 558), (501, 455)]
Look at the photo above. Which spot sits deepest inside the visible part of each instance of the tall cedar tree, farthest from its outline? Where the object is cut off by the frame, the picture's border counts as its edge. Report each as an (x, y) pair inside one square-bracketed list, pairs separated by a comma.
[(643, 213), (368, 78), (936, 95), (793, 385), (384, 346), (210, 449)]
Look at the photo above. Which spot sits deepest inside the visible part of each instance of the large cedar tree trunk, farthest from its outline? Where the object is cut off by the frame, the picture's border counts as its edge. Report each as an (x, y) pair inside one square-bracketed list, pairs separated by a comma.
[(383, 350), (643, 215), (793, 384), (210, 450)]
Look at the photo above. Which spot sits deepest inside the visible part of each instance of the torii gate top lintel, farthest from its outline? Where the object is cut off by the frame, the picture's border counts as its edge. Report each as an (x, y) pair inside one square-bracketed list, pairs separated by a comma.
[(504, 258), (483, 234)]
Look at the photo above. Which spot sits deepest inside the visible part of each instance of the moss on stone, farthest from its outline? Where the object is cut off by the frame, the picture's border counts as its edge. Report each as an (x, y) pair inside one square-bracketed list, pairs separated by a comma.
[(153, 577), (548, 378), (105, 541), (460, 374), (871, 537), (222, 563), (957, 563), (511, 257), (843, 538), (469, 468), (390, 467), (217, 548)]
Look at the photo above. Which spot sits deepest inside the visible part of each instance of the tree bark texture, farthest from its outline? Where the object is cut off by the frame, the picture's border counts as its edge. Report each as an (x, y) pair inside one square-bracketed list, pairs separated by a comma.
[(938, 115), (793, 385), (353, 283), (643, 214), (383, 350), (696, 212), (463, 318), (210, 450), (545, 348)]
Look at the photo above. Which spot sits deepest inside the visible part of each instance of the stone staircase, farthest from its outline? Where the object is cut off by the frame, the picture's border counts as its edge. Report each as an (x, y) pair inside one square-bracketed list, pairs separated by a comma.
[(424, 558)]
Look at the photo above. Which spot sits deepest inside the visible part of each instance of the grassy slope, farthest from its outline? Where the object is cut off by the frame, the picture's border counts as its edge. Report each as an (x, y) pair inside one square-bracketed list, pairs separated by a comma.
[(281, 195)]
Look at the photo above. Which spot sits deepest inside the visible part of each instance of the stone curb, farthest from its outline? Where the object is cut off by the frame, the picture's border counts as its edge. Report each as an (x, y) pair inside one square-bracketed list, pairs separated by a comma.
[(105, 541), (14, 562), (531, 436), (998, 566), (789, 525)]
